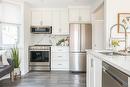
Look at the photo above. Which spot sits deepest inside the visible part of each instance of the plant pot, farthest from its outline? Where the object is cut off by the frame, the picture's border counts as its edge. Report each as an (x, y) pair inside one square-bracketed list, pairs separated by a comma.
[(17, 73), (115, 49)]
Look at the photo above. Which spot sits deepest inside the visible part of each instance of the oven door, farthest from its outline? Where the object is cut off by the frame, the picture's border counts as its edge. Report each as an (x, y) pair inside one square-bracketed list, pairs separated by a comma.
[(39, 57)]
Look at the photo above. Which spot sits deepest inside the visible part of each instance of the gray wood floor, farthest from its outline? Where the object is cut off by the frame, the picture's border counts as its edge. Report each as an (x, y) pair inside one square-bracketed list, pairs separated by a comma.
[(47, 79)]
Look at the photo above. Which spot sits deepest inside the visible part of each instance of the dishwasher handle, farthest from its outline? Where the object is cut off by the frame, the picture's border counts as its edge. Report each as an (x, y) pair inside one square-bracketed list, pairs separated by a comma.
[(117, 79)]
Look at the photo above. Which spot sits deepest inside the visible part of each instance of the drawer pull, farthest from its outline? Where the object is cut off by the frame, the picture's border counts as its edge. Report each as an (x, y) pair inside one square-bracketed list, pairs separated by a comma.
[(59, 56), (60, 50), (59, 64)]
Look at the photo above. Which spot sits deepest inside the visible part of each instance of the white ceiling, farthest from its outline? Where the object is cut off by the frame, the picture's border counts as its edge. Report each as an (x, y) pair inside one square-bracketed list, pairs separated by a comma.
[(57, 3)]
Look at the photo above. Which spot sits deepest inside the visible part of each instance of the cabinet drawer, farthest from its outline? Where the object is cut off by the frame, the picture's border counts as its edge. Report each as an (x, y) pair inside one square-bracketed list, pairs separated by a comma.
[(60, 65), (59, 49), (60, 56)]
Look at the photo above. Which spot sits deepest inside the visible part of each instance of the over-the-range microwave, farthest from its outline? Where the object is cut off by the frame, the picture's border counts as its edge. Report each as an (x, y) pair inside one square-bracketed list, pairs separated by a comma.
[(41, 29)]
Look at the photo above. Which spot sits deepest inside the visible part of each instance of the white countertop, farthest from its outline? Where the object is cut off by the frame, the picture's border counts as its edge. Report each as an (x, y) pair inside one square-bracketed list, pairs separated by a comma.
[(120, 62)]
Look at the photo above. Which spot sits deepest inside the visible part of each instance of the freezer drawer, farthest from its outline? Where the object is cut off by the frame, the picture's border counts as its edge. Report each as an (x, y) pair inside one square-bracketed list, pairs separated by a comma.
[(77, 62)]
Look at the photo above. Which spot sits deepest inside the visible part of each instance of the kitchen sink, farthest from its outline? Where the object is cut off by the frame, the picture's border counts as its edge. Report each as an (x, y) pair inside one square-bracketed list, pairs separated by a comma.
[(113, 54)]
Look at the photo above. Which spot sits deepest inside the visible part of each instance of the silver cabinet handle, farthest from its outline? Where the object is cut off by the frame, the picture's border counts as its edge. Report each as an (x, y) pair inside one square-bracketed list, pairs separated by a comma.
[(91, 62), (59, 50), (41, 22), (59, 64), (59, 29), (80, 18), (59, 56)]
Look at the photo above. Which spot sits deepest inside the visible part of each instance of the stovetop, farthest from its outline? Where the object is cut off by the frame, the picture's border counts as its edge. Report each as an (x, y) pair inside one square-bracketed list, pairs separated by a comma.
[(40, 47)]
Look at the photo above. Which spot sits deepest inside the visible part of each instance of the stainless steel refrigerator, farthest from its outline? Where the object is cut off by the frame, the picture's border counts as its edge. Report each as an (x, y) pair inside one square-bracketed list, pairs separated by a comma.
[(80, 40)]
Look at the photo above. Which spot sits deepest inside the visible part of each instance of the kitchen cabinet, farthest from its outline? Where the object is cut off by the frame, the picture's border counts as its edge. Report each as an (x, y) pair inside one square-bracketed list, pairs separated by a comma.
[(94, 71), (60, 21), (42, 17), (47, 17), (98, 35), (60, 58), (128, 81), (37, 18), (79, 15), (56, 17)]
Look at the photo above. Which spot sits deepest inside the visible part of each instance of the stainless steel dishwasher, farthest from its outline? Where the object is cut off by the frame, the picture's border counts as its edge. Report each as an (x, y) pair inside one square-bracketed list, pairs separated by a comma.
[(112, 77)]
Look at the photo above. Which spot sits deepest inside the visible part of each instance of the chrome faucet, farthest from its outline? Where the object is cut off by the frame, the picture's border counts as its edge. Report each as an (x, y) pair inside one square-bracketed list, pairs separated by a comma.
[(125, 35)]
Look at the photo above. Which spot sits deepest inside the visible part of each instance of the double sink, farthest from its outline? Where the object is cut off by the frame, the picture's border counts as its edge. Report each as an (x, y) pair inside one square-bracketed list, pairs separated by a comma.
[(115, 53)]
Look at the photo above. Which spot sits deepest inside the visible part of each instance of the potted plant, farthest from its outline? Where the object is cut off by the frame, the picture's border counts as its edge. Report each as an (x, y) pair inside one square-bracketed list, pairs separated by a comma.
[(16, 61)]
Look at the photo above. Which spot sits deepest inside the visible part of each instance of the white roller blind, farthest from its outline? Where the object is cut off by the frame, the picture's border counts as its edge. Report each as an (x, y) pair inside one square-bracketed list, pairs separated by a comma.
[(11, 13), (9, 34), (10, 18)]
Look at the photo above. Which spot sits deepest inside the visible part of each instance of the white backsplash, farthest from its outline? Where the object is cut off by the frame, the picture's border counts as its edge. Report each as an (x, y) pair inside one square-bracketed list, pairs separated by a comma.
[(45, 39)]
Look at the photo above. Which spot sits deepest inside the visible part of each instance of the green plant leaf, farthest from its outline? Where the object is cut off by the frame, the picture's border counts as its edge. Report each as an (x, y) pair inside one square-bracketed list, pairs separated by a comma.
[(15, 57)]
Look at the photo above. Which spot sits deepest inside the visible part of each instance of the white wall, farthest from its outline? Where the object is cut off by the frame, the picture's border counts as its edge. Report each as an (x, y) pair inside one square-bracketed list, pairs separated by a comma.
[(27, 42), (112, 8), (25, 38)]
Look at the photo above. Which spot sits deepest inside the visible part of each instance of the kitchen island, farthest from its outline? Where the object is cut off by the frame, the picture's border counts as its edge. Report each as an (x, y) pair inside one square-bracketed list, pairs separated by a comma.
[(95, 58)]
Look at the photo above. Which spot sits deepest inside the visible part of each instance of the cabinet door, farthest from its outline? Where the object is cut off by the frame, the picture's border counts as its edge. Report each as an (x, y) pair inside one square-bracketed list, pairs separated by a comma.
[(36, 18), (84, 15), (47, 17), (97, 73), (64, 24), (90, 71), (94, 71), (98, 35), (56, 21), (73, 14), (1, 12)]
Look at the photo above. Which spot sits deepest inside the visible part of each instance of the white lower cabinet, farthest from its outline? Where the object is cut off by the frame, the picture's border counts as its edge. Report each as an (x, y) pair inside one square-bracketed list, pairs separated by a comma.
[(128, 81), (59, 58), (94, 71)]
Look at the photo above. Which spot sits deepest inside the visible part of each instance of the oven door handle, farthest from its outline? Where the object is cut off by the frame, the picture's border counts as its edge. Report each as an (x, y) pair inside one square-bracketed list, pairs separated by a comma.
[(40, 50), (122, 83)]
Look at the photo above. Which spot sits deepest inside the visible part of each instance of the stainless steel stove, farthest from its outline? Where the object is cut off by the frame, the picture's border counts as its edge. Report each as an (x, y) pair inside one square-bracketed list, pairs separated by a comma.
[(40, 56)]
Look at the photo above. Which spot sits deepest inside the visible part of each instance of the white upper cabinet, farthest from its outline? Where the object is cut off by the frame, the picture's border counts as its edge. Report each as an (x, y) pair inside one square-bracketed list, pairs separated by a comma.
[(60, 21), (55, 21), (42, 17), (55, 17), (84, 14), (0, 12), (37, 18), (64, 24), (73, 14), (47, 17), (79, 15)]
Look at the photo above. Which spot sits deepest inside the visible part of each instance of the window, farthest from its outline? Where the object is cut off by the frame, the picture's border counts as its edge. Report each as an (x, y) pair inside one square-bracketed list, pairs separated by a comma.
[(9, 34), (10, 21)]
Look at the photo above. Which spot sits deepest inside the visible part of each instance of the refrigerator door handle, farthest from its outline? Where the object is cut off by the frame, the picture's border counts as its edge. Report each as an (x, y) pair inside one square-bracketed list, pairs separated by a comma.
[(80, 37)]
